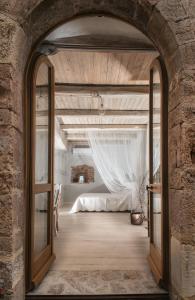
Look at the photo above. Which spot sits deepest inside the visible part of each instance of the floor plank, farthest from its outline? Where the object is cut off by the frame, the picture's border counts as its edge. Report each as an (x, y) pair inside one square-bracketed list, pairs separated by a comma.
[(99, 253)]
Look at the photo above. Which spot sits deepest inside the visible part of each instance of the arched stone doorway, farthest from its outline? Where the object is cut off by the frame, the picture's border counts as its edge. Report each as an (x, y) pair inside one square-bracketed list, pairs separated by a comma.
[(106, 37), (23, 26)]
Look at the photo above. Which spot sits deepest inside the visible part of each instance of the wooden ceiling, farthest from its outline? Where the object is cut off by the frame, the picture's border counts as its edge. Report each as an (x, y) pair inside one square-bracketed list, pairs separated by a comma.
[(93, 67), (111, 102), (101, 64), (85, 80)]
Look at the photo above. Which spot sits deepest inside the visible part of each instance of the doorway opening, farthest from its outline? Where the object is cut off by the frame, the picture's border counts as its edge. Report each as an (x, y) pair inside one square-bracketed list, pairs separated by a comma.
[(98, 139)]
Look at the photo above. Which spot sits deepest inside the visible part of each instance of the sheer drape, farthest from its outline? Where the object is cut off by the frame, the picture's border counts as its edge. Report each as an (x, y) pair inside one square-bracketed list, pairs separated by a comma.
[(120, 159), (156, 150)]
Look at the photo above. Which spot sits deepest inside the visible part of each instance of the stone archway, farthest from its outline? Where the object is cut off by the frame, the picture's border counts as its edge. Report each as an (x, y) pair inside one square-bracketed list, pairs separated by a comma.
[(169, 24)]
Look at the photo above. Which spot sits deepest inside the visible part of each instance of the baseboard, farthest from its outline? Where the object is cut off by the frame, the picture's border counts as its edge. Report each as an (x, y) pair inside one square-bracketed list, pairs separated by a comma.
[(100, 297)]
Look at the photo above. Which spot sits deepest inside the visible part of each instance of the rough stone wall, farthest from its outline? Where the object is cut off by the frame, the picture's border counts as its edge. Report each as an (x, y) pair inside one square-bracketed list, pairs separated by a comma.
[(85, 170), (171, 26)]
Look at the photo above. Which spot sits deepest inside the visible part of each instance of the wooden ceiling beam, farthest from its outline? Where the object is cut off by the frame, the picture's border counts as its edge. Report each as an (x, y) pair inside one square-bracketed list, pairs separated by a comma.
[(79, 143), (100, 89), (82, 136), (94, 112), (102, 126)]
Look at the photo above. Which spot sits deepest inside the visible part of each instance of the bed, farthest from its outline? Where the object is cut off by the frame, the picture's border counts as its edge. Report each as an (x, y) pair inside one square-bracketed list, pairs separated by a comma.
[(103, 202)]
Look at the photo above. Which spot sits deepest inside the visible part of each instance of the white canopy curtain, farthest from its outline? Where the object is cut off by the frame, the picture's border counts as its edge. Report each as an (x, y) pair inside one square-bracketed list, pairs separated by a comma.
[(119, 156), (156, 149)]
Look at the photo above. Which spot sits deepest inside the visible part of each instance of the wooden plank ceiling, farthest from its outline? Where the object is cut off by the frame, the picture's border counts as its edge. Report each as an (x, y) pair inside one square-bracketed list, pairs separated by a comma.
[(92, 67), (79, 109)]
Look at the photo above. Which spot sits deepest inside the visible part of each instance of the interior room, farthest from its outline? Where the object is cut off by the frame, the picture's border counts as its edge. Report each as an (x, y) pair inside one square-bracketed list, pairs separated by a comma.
[(101, 134), (48, 245)]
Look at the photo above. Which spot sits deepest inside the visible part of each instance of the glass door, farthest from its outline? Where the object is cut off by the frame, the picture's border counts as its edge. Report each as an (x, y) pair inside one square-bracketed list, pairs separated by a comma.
[(158, 174), (42, 135)]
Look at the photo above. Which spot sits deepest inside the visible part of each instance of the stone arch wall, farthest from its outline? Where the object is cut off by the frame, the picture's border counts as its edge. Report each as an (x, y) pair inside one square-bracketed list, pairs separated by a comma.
[(170, 25)]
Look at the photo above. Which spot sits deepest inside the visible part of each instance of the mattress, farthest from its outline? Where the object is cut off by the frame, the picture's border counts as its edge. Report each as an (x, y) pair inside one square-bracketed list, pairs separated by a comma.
[(103, 202)]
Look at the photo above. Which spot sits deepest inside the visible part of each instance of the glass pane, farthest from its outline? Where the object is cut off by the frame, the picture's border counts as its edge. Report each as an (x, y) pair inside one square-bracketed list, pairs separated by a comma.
[(156, 127), (157, 221), (42, 125), (40, 222)]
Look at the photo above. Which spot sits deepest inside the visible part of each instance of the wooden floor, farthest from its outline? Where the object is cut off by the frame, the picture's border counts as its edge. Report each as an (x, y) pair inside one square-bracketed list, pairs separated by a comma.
[(99, 254), (100, 241)]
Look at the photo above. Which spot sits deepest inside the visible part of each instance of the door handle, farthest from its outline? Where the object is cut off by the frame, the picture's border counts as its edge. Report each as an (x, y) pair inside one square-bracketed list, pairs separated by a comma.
[(149, 187)]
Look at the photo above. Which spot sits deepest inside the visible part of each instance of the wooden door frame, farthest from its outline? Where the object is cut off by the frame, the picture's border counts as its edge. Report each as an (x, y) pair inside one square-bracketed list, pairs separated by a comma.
[(164, 279), (28, 155), (31, 188)]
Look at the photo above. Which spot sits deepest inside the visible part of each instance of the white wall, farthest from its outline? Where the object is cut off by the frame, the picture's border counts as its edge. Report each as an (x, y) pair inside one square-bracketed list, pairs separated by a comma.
[(63, 161), (73, 190)]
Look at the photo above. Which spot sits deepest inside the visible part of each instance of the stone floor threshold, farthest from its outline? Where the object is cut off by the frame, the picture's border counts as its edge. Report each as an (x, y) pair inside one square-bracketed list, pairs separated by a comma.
[(164, 296)]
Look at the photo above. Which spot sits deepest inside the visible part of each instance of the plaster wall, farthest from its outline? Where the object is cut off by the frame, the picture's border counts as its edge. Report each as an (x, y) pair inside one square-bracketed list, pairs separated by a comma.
[(63, 161), (73, 190)]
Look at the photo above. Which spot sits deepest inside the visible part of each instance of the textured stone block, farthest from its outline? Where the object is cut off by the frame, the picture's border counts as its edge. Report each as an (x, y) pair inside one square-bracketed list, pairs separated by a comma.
[(167, 42), (180, 178), (187, 143), (18, 9), (176, 90), (7, 30), (175, 212), (155, 26), (176, 266), (188, 82), (5, 216), (174, 11), (18, 237), (181, 145), (11, 273), (9, 118), (188, 177), (10, 90), (6, 245), (10, 180), (11, 149), (6, 77), (6, 269), (18, 219), (19, 290), (13, 42), (188, 218), (182, 215), (188, 271), (183, 268), (18, 267), (174, 144), (181, 85), (143, 14), (184, 112), (187, 51)]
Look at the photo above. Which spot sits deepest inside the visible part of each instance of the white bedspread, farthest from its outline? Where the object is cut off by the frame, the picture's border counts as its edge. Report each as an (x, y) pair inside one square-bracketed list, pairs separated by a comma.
[(103, 202)]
